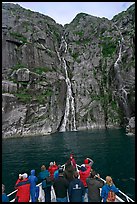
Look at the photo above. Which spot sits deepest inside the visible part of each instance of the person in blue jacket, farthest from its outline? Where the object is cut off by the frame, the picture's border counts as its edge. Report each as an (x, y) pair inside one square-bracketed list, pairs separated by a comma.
[(56, 173), (76, 189), (107, 187), (4, 196), (37, 194), (33, 180), (44, 173), (47, 190)]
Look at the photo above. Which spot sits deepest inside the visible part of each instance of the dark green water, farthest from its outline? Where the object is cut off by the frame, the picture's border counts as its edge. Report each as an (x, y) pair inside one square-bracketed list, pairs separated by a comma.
[(112, 151)]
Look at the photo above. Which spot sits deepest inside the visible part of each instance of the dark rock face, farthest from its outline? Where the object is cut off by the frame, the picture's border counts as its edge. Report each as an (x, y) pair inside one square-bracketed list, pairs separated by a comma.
[(98, 57)]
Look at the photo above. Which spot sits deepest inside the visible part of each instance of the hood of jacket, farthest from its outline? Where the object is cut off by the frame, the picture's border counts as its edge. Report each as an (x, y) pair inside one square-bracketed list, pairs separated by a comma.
[(32, 172)]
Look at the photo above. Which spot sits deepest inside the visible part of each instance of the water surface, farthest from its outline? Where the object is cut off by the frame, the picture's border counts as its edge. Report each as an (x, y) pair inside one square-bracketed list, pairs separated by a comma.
[(112, 151)]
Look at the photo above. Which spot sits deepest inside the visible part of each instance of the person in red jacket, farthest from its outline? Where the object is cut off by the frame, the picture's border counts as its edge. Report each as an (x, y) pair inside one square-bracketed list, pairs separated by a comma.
[(84, 173), (72, 160), (23, 187), (88, 162), (52, 168)]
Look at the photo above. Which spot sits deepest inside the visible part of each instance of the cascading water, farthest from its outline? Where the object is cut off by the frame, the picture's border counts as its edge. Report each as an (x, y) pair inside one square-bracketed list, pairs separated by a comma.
[(120, 85), (117, 68), (69, 121)]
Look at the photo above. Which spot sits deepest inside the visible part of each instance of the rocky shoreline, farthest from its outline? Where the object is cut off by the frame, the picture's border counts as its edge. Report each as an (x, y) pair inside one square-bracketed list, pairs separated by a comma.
[(47, 134)]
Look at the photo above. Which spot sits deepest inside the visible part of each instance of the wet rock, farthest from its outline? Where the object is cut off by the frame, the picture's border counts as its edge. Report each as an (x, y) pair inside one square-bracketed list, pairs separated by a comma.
[(32, 66)]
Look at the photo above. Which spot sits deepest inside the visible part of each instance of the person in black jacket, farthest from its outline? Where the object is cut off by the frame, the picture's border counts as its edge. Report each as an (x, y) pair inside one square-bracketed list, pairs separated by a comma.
[(76, 189), (69, 171), (60, 186), (94, 183)]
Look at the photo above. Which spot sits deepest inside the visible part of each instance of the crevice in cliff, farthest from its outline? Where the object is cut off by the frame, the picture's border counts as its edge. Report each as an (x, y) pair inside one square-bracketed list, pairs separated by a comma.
[(18, 43)]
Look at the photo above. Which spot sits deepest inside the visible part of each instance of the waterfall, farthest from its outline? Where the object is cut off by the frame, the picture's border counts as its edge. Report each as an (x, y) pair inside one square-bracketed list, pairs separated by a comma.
[(117, 67), (117, 63), (124, 94), (124, 99), (121, 90), (69, 115)]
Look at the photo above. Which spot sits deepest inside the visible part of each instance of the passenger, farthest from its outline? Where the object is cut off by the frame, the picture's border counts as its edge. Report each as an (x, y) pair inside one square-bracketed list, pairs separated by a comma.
[(84, 173), (33, 180), (37, 194), (52, 168), (19, 179), (73, 162), (60, 186), (23, 187), (69, 171), (5, 198), (56, 173), (47, 190), (88, 161), (107, 187), (76, 189), (94, 183)]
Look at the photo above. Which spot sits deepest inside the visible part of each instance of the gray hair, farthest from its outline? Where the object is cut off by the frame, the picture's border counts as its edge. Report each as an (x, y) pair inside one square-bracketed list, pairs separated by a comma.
[(3, 188), (51, 164)]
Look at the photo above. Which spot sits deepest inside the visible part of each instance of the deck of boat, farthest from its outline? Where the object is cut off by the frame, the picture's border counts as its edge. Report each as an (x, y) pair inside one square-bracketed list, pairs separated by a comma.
[(41, 198)]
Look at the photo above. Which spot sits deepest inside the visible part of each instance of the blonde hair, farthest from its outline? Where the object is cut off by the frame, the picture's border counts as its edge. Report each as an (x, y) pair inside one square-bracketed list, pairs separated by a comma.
[(109, 180)]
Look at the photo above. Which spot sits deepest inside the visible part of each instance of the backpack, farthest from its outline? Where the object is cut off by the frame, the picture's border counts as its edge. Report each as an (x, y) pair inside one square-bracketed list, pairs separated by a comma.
[(44, 184), (47, 182), (111, 196)]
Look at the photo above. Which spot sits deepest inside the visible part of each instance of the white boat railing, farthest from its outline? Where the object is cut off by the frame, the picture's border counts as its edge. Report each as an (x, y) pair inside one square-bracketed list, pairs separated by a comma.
[(42, 197), (127, 197)]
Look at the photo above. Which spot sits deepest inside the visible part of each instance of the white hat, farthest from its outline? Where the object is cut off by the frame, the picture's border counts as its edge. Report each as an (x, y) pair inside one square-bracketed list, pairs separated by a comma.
[(83, 165), (25, 175)]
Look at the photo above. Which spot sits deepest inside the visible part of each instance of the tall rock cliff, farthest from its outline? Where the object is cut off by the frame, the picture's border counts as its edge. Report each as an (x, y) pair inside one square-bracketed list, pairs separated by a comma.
[(66, 78)]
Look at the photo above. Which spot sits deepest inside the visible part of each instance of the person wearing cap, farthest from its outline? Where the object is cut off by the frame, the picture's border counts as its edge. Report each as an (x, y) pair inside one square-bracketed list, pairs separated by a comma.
[(94, 184), (88, 162), (52, 168), (60, 186), (19, 179), (5, 198), (33, 180), (84, 173), (23, 187)]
